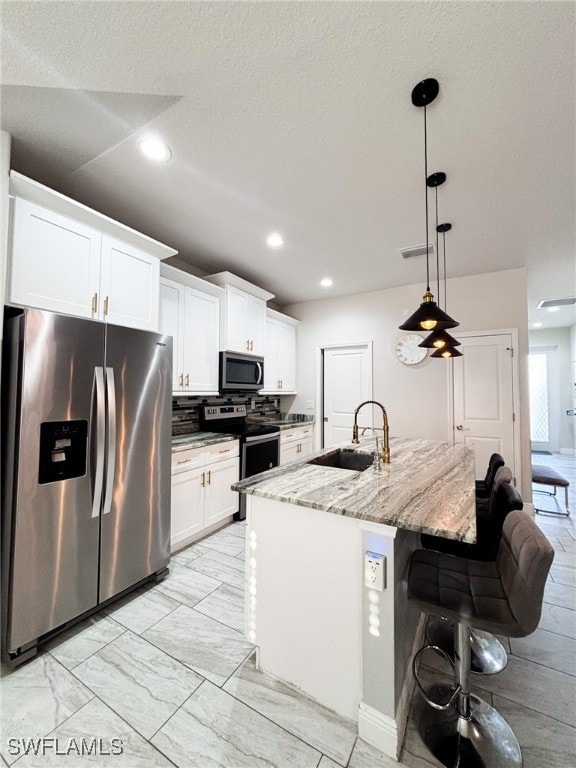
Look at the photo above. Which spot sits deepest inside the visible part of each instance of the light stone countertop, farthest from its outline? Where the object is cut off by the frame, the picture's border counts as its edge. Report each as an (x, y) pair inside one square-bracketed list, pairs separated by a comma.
[(428, 487), (200, 440)]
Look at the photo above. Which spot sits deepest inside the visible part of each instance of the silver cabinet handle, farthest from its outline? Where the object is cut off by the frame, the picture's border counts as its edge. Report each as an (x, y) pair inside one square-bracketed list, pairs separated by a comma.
[(181, 379), (111, 428), (184, 461), (100, 440), (187, 379)]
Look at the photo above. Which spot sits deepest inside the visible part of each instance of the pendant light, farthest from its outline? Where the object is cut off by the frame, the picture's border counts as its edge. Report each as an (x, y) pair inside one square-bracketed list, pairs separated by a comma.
[(439, 338), (448, 349), (428, 316)]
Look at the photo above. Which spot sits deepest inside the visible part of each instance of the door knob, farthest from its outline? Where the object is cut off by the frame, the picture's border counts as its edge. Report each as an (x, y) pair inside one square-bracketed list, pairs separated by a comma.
[(461, 428)]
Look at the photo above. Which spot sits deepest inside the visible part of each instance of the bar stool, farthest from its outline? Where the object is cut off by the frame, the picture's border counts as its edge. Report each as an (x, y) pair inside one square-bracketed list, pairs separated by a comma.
[(542, 475), (503, 596), (483, 487), (488, 655)]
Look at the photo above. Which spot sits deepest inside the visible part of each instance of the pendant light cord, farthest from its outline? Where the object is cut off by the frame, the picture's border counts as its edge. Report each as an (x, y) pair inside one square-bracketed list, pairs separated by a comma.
[(444, 254), (437, 249), (426, 188)]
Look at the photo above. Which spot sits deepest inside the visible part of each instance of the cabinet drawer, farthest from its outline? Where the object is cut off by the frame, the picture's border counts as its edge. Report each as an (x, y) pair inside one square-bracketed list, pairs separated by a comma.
[(188, 459), (226, 450), (297, 433)]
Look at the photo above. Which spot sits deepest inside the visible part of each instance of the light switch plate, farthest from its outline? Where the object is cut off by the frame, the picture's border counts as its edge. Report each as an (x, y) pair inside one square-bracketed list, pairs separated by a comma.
[(375, 571)]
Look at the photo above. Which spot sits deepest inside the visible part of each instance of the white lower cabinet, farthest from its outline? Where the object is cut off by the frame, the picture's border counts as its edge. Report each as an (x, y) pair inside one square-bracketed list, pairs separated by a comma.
[(295, 443), (201, 494)]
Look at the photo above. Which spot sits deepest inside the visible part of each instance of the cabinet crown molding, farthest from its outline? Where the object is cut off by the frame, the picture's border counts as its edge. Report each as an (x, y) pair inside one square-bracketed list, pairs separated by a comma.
[(273, 314), (28, 189), (168, 272), (227, 278)]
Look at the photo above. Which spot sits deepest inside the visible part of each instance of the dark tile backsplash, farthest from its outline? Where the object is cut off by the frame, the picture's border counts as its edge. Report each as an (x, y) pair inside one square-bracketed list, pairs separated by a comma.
[(185, 410)]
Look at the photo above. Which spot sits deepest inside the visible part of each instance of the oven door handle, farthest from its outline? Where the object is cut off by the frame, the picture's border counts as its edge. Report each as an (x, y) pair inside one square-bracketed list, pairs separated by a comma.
[(262, 438)]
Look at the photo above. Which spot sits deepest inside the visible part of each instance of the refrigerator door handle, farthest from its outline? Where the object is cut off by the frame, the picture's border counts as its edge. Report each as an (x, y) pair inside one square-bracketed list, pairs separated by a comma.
[(100, 440), (111, 437)]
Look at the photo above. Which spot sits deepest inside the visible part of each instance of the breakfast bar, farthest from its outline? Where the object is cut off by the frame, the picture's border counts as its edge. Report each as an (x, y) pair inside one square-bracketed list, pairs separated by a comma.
[(328, 545)]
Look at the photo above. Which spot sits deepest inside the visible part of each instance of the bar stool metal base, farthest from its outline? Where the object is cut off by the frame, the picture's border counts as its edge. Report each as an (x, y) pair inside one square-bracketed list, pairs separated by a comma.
[(484, 740), (487, 654)]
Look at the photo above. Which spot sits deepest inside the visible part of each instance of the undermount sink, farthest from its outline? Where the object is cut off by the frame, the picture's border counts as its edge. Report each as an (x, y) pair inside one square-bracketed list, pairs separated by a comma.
[(345, 458)]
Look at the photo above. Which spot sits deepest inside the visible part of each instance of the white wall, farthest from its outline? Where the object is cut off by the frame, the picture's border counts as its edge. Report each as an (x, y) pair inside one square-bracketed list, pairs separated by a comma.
[(416, 397), (562, 395)]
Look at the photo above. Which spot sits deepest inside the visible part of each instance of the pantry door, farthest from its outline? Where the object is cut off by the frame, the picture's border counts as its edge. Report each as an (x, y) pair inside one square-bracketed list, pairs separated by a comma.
[(484, 396), (347, 382)]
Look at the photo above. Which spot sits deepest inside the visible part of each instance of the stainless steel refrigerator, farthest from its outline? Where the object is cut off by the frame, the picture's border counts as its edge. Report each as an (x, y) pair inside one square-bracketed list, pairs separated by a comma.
[(85, 468)]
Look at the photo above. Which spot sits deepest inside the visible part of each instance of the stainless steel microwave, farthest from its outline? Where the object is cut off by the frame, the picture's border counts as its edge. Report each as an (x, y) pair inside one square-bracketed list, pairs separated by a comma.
[(241, 372)]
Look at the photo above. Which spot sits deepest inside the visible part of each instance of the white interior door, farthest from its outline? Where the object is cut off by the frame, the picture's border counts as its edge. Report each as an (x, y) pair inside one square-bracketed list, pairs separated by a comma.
[(484, 398), (347, 383)]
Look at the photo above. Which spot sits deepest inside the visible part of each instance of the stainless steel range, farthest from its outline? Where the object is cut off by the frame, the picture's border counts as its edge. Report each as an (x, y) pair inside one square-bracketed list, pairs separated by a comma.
[(259, 444)]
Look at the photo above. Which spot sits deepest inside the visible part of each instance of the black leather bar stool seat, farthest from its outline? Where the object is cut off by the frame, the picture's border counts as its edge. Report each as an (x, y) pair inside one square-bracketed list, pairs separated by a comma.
[(483, 487), (502, 596), (488, 655)]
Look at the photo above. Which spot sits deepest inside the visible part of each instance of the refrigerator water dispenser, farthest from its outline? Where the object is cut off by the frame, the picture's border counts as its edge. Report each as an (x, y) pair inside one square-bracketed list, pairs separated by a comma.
[(63, 448)]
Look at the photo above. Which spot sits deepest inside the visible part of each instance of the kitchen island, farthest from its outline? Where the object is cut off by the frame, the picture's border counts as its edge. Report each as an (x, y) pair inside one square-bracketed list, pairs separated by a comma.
[(323, 619)]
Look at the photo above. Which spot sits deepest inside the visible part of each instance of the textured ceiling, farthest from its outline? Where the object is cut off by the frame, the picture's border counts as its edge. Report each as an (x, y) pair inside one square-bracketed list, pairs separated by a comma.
[(296, 116)]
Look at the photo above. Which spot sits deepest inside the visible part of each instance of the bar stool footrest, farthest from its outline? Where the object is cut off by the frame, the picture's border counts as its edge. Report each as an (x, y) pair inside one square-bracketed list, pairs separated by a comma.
[(454, 692)]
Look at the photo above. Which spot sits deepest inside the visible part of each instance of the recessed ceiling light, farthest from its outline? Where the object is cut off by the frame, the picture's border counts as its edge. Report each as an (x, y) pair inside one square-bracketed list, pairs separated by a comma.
[(537, 325), (275, 240), (552, 309), (155, 149), (326, 282)]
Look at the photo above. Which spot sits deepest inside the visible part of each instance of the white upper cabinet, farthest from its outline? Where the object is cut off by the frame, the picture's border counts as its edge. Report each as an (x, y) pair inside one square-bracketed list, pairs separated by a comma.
[(55, 261), (68, 258), (190, 313), (280, 355), (129, 286), (243, 314), (245, 322)]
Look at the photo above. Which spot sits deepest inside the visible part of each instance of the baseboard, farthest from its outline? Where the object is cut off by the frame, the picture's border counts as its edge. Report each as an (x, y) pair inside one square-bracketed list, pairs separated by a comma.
[(568, 451), (378, 730)]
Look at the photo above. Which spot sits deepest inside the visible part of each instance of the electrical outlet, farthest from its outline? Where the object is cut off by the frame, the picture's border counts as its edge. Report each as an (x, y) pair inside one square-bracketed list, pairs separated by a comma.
[(375, 571), (309, 405)]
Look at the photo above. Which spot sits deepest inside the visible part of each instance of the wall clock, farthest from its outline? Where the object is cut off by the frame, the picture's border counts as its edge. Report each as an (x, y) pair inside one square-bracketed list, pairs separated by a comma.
[(408, 351)]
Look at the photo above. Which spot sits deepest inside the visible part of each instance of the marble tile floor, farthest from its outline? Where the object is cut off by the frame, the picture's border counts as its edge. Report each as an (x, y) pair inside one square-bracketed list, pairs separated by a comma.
[(165, 677)]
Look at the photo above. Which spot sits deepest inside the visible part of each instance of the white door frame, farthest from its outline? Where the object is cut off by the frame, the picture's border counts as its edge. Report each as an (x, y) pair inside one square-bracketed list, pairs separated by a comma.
[(319, 424), (517, 422)]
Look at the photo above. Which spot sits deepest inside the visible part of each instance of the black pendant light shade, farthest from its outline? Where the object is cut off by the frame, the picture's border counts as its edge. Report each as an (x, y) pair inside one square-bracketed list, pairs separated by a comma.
[(439, 340), (428, 317), (446, 352)]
